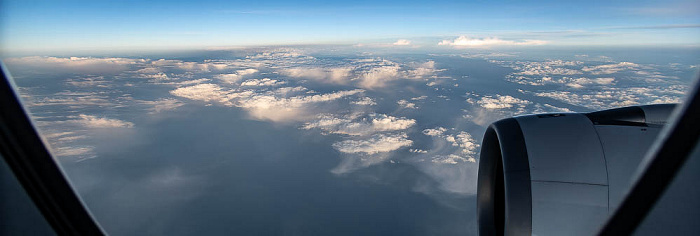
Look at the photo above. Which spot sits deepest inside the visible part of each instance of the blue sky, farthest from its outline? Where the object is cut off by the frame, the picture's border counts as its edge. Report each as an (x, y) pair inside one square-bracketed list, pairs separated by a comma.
[(45, 26)]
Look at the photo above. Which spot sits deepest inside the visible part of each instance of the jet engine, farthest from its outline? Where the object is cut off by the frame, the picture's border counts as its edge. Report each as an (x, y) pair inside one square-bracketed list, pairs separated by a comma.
[(564, 173)]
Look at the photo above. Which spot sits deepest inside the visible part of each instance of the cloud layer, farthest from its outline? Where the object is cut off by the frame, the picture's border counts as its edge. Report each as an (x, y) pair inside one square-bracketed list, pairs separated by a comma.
[(464, 41)]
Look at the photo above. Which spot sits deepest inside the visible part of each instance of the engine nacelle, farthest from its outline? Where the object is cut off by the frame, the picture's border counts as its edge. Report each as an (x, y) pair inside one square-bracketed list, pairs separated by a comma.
[(561, 174)]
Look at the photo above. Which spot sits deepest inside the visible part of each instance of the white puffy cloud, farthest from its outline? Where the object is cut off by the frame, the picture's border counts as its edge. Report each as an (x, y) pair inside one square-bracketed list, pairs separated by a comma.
[(402, 42), (102, 122), (501, 102), (423, 70), (406, 104), (437, 131), (376, 144), (235, 77), (535, 68), (618, 97), (417, 151), (451, 159), (205, 93), (262, 82), (273, 107), (366, 126), (378, 77), (619, 87), (582, 82), (611, 68), (228, 78), (464, 41), (465, 141), (419, 98)]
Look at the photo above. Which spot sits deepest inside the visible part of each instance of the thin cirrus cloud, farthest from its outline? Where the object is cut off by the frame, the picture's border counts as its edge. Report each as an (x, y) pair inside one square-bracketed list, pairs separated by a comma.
[(464, 41), (102, 122), (402, 42), (75, 64), (338, 75)]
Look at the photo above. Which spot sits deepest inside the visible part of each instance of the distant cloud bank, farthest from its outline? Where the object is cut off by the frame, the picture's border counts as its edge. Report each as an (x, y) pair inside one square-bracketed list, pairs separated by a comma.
[(464, 41)]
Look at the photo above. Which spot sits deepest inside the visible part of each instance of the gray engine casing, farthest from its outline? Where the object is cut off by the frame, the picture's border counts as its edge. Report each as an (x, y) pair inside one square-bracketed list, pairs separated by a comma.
[(561, 174)]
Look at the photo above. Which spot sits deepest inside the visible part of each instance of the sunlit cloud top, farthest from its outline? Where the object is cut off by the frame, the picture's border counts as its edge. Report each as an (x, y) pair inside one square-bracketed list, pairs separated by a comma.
[(141, 25)]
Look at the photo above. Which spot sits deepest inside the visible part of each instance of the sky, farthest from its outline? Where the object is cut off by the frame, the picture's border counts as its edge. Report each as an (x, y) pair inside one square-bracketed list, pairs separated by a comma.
[(59, 26)]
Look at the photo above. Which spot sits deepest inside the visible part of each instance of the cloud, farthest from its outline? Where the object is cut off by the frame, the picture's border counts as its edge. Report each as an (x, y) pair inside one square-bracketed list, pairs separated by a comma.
[(271, 106), (417, 151), (611, 68), (618, 97), (235, 77), (402, 42), (165, 104), (205, 93), (190, 66), (450, 162), (376, 144), (90, 82), (438, 131), (462, 140), (501, 102), (423, 70), (582, 82), (69, 151), (366, 126), (406, 104), (451, 159), (75, 64), (102, 122), (379, 76), (464, 41), (262, 82), (557, 67), (264, 105), (676, 26), (419, 98), (451, 173), (465, 141), (228, 78), (365, 101), (337, 75)]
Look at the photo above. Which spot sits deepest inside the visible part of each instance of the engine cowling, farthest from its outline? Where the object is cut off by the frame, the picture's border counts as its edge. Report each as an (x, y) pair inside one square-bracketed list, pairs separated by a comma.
[(561, 174)]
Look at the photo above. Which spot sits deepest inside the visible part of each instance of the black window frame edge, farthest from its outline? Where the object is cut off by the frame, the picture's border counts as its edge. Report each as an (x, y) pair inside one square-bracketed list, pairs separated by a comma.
[(35, 168), (662, 163)]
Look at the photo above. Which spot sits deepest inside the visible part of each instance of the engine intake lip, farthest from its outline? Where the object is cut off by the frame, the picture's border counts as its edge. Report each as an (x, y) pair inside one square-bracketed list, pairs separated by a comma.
[(504, 199)]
